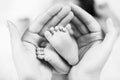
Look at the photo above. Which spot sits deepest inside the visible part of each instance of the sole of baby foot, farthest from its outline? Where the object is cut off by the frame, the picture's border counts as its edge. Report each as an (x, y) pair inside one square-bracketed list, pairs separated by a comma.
[(64, 44)]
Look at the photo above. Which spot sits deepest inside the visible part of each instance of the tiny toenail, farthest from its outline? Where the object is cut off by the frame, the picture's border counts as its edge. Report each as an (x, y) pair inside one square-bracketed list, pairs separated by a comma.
[(60, 27), (64, 29), (56, 28), (52, 29)]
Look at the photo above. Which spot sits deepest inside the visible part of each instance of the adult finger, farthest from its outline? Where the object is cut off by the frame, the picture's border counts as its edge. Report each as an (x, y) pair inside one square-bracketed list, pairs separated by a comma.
[(67, 19), (76, 32), (80, 26), (86, 18), (31, 35), (57, 18), (40, 21)]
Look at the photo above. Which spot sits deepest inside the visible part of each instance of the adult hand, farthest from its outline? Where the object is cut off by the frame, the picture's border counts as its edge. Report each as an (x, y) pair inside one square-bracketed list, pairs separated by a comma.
[(97, 53), (24, 54), (24, 45), (27, 65)]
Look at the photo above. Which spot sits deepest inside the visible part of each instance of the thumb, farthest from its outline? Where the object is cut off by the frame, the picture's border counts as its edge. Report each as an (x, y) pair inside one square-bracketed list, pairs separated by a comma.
[(110, 34), (14, 34)]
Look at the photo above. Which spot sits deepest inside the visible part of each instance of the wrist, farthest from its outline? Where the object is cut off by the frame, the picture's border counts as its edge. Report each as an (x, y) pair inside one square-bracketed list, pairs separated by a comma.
[(87, 76), (78, 74), (84, 76)]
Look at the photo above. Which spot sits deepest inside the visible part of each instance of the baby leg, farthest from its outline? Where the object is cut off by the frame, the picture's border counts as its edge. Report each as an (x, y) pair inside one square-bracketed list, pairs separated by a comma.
[(49, 54)]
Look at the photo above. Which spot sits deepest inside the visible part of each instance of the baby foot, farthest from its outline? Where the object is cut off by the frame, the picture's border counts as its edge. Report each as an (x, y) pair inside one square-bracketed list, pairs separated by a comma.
[(49, 55), (63, 43)]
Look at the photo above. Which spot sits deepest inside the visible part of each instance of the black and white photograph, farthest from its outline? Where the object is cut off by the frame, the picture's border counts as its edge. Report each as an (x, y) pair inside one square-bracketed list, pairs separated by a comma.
[(59, 39)]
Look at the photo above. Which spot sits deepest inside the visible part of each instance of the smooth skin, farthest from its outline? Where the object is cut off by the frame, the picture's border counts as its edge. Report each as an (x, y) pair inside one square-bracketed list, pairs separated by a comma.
[(91, 65), (83, 68), (24, 53)]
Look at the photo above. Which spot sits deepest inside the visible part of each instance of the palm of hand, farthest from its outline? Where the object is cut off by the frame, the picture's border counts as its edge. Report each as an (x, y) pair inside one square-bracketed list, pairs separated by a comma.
[(95, 57), (26, 52), (96, 52)]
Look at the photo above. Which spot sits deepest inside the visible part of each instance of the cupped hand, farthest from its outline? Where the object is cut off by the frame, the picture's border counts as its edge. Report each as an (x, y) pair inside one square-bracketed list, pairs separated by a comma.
[(26, 40), (96, 52), (24, 55)]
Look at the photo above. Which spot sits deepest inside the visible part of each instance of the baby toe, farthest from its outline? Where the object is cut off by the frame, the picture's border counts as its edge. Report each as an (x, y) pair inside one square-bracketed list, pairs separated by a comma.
[(56, 28), (48, 35), (52, 29), (41, 56), (61, 28)]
